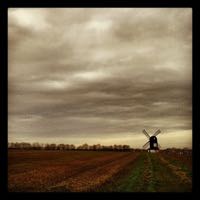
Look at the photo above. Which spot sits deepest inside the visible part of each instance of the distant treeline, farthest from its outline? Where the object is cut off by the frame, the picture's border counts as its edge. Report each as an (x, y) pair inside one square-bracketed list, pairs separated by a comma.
[(38, 146)]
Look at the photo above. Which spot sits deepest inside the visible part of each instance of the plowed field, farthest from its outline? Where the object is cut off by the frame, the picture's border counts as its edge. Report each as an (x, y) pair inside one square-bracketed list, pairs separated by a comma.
[(93, 171)]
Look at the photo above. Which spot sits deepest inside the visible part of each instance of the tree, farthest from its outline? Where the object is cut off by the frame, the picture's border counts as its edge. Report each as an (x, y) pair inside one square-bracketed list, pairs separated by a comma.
[(72, 147), (36, 146), (52, 146), (61, 146), (126, 147), (85, 147)]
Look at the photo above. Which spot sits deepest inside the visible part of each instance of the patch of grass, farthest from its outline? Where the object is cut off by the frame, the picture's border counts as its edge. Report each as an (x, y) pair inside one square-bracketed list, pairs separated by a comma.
[(138, 178), (181, 165), (147, 174), (133, 183), (151, 184), (165, 180)]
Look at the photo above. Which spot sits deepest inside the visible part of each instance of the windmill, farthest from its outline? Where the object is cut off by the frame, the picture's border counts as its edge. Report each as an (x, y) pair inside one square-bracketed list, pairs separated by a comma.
[(152, 144)]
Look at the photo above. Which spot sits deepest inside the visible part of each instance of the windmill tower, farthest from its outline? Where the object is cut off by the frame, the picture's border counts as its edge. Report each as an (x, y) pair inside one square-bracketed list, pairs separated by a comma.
[(152, 144)]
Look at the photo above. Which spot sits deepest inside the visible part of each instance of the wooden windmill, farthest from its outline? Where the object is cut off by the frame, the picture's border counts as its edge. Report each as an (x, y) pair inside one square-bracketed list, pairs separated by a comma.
[(152, 144)]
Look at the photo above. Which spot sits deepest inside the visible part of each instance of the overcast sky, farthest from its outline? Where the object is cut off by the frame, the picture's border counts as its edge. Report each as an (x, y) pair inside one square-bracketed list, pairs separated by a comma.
[(100, 75)]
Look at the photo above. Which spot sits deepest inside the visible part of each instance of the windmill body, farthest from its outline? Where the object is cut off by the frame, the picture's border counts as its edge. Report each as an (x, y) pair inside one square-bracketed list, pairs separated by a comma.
[(152, 145)]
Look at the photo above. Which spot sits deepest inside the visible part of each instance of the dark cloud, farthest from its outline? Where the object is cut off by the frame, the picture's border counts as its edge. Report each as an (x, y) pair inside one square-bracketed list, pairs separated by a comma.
[(99, 74)]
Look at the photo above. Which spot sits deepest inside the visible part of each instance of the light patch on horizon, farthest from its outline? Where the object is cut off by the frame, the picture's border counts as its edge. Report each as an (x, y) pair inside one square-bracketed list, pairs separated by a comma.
[(88, 75)]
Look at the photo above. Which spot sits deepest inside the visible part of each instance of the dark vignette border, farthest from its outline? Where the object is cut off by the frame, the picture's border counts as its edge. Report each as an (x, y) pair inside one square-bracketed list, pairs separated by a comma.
[(95, 3)]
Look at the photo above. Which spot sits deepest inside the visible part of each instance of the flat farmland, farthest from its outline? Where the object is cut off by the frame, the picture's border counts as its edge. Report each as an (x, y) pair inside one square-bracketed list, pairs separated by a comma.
[(97, 171)]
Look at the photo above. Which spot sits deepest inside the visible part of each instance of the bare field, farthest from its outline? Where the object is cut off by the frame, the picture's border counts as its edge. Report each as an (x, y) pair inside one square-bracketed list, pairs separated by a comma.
[(96, 171)]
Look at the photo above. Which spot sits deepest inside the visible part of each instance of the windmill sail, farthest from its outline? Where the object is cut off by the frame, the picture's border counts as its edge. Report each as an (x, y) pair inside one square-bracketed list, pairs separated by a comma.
[(157, 132), (146, 144), (147, 135)]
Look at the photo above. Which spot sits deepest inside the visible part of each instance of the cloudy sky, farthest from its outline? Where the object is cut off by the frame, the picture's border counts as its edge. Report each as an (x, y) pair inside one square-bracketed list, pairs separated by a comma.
[(85, 75)]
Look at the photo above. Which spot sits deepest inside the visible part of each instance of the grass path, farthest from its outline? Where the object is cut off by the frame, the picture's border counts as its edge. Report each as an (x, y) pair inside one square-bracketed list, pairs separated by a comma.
[(181, 173), (138, 179), (151, 173), (165, 178)]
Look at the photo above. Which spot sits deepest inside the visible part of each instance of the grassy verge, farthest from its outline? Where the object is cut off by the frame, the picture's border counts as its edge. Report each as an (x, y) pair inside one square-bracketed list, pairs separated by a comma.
[(164, 178), (147, 174), (178, 163), (139, 177)]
